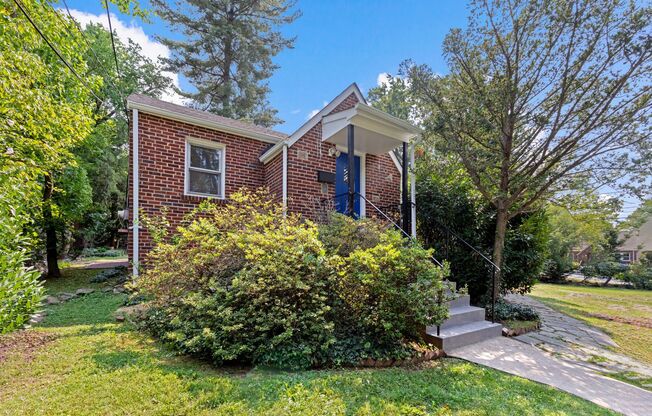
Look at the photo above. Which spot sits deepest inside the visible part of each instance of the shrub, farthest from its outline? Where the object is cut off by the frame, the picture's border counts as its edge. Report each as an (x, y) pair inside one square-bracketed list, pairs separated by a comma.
[(449, 202), (386, 290), (241, 282), (608, 269), (21, 292), (639, 275), (506, 311), (102, 252)]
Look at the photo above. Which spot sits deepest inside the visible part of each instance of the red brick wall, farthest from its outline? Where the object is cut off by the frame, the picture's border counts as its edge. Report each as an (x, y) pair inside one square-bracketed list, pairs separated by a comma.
[(309, 155), (162, 159), (162, 156), (274, 176)]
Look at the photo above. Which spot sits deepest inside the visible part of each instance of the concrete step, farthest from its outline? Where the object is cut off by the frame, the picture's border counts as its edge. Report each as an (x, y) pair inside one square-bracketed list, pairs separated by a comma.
[(461, 335), (462, 315), (459, 301)]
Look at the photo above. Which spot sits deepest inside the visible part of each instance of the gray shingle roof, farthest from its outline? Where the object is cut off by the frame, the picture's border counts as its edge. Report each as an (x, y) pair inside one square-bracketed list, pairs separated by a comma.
[(203, 115)]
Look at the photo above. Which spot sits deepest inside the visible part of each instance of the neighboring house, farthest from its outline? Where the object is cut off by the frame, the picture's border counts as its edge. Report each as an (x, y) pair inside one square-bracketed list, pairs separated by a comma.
[(180, 156), (635, 243), (582, 253)]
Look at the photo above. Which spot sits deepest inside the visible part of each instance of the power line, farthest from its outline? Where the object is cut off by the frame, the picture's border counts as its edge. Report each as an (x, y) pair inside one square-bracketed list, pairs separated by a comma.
[(90, 47), (56, 51), (115, 54)]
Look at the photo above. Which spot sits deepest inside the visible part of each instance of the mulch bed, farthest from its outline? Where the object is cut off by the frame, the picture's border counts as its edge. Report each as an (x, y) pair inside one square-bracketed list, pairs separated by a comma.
[(26, 342)]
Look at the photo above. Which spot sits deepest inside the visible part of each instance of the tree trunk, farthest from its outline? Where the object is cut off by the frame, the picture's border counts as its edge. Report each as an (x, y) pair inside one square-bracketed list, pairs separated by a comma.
[(499, 246), (50, 229)]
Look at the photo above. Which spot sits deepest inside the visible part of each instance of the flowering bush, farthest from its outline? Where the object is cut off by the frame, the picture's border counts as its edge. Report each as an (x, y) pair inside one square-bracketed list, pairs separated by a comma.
[(244, 282)]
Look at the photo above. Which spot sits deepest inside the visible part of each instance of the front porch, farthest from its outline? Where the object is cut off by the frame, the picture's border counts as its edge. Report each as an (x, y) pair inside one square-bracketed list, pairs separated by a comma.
[(360, 131)]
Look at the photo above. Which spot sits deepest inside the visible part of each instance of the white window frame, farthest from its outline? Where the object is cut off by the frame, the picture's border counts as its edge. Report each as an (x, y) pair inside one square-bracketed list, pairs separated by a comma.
[(627, 254), (190, 141)]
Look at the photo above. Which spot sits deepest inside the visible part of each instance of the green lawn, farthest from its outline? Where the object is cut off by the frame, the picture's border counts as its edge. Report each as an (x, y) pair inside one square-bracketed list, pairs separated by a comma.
[(624, 314), (79, 361)]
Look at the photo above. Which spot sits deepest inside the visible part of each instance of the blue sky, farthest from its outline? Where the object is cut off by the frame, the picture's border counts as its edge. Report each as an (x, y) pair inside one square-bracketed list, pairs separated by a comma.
[(337, 42)]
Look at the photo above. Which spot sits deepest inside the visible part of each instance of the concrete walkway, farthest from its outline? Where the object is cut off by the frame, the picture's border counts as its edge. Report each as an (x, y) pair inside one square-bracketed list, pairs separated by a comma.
[(528, 361), (575, 341)]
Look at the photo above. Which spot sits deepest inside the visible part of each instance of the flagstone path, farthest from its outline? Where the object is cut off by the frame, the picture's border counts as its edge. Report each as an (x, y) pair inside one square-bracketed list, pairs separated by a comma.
[(574, 341)]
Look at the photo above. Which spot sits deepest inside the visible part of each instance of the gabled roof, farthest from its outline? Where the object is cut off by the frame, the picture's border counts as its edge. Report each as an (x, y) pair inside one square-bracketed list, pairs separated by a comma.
[(188, 115), (312, 122)]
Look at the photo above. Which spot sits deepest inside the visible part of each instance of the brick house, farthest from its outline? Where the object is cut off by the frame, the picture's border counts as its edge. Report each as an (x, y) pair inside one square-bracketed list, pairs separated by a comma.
[(180, 156)]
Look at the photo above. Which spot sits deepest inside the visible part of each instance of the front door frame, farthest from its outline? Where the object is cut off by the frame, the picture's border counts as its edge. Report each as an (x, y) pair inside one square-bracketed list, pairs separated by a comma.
[(363, 178)]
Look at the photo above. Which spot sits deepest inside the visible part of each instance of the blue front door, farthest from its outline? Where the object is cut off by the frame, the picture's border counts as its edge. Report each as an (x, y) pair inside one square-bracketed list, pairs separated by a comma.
[(342, 186)]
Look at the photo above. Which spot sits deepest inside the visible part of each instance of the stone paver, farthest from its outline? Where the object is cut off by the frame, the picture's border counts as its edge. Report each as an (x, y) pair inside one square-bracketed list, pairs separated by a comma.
[(576, 342), (525, 360)]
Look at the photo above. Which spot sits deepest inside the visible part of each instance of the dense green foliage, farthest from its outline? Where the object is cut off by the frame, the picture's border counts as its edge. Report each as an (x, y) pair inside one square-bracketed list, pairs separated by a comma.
[(506, 311), (447, 202), (385, 291), (45, 112), (20, 289), (243, 282)]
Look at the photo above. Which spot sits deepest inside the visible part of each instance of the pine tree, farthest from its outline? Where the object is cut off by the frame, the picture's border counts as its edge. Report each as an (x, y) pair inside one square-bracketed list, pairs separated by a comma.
[(227, 52)]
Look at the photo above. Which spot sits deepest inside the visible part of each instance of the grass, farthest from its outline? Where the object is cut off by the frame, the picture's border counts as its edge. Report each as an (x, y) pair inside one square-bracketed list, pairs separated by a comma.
[(95, 366), (621, 313)]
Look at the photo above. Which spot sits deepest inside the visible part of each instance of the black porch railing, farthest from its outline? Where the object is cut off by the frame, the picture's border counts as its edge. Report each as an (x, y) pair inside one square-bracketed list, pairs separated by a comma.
[(395, 222)]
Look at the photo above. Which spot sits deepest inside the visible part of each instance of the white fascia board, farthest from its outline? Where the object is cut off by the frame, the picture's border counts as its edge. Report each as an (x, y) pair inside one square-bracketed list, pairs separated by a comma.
[(305, 128), (273, 151), (396, 162), (196, 121)]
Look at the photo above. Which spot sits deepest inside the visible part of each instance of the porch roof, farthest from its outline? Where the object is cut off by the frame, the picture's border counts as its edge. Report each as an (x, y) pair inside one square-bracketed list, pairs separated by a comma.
[(376, 132)]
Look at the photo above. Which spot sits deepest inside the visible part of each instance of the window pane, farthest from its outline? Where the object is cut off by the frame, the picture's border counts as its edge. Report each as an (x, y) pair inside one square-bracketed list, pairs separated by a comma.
[(205, 158), (205, 183)]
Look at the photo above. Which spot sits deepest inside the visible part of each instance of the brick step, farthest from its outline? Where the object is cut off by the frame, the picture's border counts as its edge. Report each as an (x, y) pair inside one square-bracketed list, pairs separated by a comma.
[(461, 335), (461, 315)]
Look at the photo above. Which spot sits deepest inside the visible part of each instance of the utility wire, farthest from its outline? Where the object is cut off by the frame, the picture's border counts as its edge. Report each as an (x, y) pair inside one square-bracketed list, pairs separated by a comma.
[(55, 50), (90, 47), (115, 54)]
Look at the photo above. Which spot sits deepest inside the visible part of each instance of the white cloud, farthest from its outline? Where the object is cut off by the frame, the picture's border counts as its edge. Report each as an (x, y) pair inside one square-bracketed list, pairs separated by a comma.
[(382, 79), (317, 110), (297, 111), (150, 48)]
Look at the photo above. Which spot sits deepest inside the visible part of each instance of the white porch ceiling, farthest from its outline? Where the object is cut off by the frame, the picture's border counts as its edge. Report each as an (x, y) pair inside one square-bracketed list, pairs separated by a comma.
[(376, 132)]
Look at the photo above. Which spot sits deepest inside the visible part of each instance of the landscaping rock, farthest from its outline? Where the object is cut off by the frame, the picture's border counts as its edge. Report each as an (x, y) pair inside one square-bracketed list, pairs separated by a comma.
[(65, 296), (37, 318), (84, 291), (52, 300), (131, 312), (107, 289), (119, 289)]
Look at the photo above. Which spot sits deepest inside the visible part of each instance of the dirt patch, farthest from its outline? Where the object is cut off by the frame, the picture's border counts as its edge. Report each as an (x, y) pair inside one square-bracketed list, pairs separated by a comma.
[(641, 322), (26, 342)]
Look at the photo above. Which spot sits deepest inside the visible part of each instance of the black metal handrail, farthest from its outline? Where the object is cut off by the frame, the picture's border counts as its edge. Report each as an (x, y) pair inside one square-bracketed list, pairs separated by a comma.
[(397, 226)]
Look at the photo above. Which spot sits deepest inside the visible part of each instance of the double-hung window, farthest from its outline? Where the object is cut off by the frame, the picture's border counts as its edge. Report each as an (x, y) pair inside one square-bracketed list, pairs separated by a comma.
[(204, 168)]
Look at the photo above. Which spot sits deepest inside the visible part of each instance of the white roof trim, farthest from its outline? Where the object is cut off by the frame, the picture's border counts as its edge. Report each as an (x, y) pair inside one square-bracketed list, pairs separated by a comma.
[(196, 121), (301, 131)]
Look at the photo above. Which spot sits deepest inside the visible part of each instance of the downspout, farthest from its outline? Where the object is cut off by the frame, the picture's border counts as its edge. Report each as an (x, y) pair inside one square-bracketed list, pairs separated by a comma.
[(285, 179), (405, 209), (413, 192), (134, 224)]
